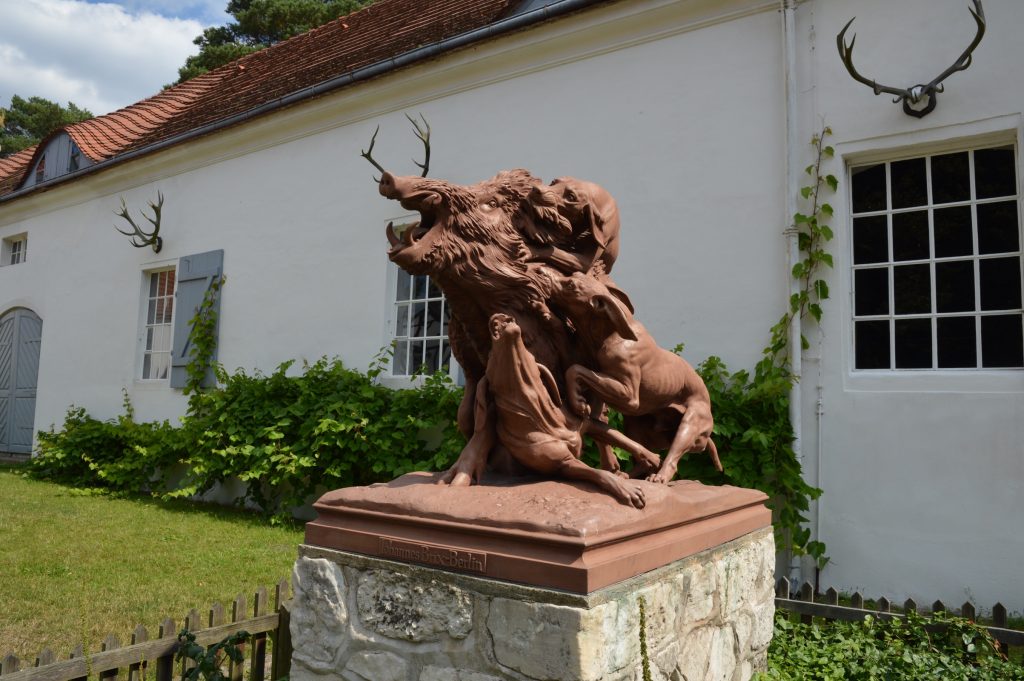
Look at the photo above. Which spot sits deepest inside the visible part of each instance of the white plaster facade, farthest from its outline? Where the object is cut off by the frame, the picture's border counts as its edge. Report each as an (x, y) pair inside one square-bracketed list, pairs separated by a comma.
[(679, 109)]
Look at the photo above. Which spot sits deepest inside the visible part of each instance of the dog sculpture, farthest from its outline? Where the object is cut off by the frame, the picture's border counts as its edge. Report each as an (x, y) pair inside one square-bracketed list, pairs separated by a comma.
[(530, 422), (663, 400)]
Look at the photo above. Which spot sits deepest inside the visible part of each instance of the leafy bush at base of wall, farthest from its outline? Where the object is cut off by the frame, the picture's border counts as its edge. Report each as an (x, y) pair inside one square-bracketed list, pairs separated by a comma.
[(292, 437), (289, 437), (940, 647)]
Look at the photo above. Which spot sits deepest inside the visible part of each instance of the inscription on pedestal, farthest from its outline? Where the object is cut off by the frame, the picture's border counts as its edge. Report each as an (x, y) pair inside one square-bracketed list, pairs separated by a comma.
[(428, 554)]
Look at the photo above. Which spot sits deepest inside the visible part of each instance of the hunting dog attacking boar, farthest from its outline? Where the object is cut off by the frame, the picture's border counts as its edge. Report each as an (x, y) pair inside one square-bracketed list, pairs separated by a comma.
[(544, 335)]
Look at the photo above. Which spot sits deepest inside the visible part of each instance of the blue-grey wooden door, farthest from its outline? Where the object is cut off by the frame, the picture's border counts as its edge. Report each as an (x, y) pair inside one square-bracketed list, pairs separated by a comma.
[(20, 337)]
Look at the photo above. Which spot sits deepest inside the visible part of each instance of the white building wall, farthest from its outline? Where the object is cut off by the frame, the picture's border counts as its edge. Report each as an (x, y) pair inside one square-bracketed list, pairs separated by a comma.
[(922, 471), (650, 99), (677, 108)]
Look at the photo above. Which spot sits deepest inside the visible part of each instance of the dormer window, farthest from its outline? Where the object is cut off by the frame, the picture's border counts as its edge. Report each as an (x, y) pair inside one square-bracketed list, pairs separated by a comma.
[(75, 161), (41, 169)]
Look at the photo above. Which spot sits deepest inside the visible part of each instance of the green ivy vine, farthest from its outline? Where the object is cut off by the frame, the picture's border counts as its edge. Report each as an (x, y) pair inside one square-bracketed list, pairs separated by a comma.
[(752, 426), (812, 235), (202, 338)]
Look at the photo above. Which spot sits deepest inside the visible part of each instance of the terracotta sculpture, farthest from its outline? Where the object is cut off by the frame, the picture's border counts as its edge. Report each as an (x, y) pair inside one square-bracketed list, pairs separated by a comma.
[(661, 397), (542, 332)]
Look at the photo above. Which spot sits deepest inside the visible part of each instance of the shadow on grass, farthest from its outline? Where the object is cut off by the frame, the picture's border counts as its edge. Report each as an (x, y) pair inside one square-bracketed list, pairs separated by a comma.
[(181, 507)]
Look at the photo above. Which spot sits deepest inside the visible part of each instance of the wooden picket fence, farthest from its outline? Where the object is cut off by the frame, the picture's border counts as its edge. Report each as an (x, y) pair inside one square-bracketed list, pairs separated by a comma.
[(809, 604), (146, 659)]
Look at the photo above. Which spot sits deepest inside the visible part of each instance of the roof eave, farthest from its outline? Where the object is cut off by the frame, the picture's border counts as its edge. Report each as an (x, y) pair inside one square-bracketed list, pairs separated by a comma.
[(511, 23)]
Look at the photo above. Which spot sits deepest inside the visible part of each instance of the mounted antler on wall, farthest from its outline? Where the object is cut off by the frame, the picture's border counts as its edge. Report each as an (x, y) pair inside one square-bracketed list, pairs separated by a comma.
[(918, 94), (140, 237), (423, 135)]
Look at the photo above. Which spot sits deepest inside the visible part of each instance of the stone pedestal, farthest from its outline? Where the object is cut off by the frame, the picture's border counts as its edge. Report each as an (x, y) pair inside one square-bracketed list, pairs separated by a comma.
[(520, 582)]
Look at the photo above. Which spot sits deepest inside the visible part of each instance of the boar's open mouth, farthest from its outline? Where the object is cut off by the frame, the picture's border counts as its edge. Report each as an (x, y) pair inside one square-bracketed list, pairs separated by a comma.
[(427, 204)]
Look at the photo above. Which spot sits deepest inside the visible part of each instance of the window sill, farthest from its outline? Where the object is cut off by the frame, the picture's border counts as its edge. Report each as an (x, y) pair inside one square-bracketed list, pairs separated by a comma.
[(979, 381)]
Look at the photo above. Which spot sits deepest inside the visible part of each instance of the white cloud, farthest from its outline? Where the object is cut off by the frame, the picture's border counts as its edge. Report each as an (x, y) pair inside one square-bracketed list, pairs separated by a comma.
[(97, 55)]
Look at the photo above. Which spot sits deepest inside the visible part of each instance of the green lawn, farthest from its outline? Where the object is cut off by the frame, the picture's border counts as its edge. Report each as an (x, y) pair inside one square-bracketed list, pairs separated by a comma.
[(75, 566)]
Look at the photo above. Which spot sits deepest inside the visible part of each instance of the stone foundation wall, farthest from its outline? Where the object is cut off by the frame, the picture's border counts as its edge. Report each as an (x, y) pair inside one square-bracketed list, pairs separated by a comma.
[(356, 618)]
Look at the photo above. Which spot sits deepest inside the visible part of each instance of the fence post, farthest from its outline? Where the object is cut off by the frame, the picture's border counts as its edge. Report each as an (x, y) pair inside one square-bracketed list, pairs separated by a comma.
[(45, 657), (282, 661), (137, 670), (165, 663), (9, 664), (807, 594), (259, 641), (111, 642), (78, 652)]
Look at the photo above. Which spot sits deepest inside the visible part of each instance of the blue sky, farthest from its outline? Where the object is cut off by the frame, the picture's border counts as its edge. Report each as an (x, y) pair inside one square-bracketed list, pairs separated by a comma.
[(101, 55)]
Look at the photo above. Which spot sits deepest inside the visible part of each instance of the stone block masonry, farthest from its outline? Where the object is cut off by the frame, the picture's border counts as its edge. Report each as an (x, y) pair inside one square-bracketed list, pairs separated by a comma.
[(357, 618)]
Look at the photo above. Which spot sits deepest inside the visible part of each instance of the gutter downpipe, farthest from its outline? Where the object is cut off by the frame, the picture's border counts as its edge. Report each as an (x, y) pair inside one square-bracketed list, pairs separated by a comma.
[(515, 22), (792, 241)]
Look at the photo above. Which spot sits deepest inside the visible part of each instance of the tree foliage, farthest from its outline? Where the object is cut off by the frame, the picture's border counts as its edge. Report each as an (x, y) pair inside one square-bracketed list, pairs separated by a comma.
[(27, 121), (258, 24)]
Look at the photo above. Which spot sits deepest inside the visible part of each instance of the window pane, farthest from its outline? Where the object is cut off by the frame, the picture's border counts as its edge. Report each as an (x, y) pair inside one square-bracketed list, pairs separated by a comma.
[(400, 361), (872, 291), (957, 345), (420, 291), (1001, 341), (868, 188), (912, 289), (161, 364), (951, 178), (870, 240), (151, 315), (954, 286), (162, 338), (446, 355), (910, 236), (402, 320), (908, 183), (998, 231), (433, 291), (147, 366), (433, 355), (402, 293), (872, 343), (953, 234), (417, 325), (149, 338), (994, 173), (1000, 283), (415, 356), (434, 318), (913, 343), (154, 280), (444, 319)]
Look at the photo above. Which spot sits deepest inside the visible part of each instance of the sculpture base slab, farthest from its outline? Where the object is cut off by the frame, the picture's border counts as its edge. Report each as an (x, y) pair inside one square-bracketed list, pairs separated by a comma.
[(547, 533), (706, 617)]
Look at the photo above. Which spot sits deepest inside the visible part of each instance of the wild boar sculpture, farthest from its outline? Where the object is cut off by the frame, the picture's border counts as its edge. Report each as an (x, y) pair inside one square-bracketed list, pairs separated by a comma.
[(545, 337)]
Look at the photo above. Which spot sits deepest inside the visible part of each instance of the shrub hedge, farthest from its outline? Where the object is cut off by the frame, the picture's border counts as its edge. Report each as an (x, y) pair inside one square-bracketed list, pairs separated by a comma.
[(291, 437), (940, 647)]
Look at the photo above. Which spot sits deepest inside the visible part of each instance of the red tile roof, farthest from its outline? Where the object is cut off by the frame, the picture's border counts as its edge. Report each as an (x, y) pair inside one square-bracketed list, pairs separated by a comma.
[(383, 30)]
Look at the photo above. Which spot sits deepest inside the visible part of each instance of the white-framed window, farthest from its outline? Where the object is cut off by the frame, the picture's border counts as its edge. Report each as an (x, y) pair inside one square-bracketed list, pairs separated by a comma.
[(15, 250), (418, 326), (157, 324), (936, 259)]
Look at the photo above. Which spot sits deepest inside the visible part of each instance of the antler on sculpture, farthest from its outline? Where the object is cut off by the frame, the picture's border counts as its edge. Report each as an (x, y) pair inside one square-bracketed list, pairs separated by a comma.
[(423, 134), (918, 92), (140, 237)]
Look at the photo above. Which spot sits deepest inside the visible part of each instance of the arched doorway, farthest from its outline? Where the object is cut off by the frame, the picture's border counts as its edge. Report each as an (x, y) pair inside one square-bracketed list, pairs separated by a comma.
[(20, 335)]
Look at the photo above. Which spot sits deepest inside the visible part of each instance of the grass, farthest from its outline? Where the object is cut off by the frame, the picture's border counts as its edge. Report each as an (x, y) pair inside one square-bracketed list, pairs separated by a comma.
[(76, 566)]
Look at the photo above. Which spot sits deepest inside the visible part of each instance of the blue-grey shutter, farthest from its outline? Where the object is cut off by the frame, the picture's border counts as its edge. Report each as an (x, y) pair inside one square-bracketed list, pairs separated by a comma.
[(20, 334), (196, 273)]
